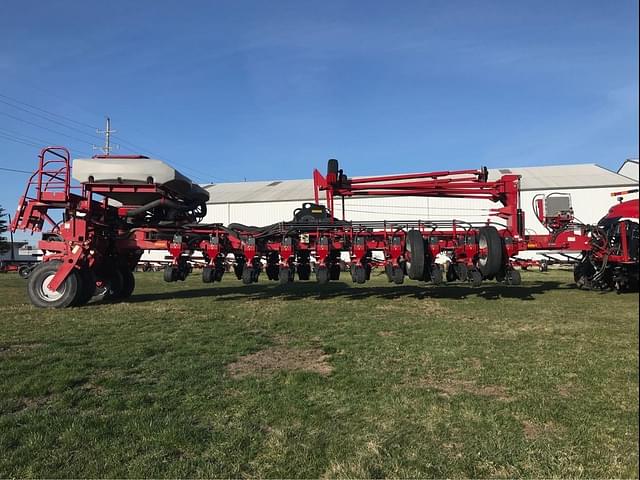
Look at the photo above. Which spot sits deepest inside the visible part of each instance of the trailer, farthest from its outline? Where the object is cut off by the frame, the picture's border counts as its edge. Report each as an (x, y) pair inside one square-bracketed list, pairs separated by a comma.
[(120, 206)]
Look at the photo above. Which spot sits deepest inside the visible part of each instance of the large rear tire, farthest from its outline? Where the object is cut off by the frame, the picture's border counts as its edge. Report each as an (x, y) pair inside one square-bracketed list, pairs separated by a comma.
[(40, 294), (415, 260), (489, 251)]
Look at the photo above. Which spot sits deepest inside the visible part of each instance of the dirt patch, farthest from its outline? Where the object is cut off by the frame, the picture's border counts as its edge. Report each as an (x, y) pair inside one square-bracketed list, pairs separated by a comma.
[(532, 430), (27, 403), (451, 386), (565, 390), (273, 359), (421, 307), (386, 333), (94, 389)]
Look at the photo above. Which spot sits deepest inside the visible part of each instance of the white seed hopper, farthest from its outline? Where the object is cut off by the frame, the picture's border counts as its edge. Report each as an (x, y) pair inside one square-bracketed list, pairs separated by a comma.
[(137, 171)]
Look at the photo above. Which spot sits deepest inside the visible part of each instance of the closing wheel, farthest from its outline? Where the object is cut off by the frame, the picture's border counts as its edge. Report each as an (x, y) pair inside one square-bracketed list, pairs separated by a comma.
[(247, 275), (88, 281), (207, 275), (334, 271), (169, 274), (462, 272), (115, 281), (218, 273), (359, 274), (415, 255), (273, 271), (388, 271), (489, 251), (304, 271), (285, 275), (397, 275), (436, 275), (513, 277), (476, 278), (128, 283), (322, 275), (42, 296)]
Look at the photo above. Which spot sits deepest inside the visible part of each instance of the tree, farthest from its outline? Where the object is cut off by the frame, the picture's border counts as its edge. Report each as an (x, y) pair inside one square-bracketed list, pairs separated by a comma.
[(4, 245)]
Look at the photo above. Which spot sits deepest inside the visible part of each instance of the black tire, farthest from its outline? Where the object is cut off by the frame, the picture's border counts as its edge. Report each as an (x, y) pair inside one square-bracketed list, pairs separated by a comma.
[(273, 271), (489, 251), (397, 275), (42, 297), (476, 278), (24, 271), (128, 283), (388, 271), (168, 274), (359, 274), (115, 287), (247, 275), (322, 275), (436, 275), (334, 271), (513, 277), (207, 275), (304, 271), (284, 276), (238, 268), (462, 272), (88, 287), (415, 256), (218, 273)]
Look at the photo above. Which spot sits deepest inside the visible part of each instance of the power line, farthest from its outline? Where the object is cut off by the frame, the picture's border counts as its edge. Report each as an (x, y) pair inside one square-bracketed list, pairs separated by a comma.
[(17, 140), (14, 170), (122, 140), (47, 112), (49, 119), (30, 141), (46, 128)]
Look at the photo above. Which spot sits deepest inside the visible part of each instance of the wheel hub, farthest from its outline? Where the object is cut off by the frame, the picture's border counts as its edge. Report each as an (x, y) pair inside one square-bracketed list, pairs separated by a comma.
[(46, 293)]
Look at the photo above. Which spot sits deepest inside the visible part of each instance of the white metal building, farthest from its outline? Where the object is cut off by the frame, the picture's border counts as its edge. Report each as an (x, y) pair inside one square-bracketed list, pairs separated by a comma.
[(266, 202)]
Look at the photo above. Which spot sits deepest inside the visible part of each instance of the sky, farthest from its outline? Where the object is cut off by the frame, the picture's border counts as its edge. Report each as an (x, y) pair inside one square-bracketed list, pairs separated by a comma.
[(255, 90)]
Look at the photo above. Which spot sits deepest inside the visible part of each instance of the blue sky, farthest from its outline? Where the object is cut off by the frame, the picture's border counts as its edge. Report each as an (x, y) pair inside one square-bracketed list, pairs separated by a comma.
[(230, 90)]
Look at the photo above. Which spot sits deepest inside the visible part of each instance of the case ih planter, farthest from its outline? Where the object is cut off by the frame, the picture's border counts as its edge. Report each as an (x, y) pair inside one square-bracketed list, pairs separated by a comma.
[(125, 205)]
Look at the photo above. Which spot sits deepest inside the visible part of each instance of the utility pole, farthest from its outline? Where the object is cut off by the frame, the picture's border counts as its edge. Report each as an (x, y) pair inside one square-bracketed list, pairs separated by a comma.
[(107, 137)]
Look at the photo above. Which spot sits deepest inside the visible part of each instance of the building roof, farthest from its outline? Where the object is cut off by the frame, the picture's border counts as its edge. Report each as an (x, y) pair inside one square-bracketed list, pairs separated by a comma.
[(587, 175), (630, 169)]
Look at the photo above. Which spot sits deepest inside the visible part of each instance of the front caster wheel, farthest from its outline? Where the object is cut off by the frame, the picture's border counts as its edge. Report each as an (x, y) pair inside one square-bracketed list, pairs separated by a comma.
[(42, 296)]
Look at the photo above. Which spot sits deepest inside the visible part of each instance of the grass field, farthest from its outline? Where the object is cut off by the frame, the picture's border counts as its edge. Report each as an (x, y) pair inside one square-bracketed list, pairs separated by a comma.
[(377, 380)]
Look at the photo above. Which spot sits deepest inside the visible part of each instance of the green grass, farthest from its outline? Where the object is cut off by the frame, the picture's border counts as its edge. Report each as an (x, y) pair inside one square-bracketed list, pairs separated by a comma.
[(196, 380)]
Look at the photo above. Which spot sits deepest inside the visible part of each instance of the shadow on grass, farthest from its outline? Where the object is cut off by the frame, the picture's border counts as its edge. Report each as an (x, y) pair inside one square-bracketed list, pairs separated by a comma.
[(338, 289)]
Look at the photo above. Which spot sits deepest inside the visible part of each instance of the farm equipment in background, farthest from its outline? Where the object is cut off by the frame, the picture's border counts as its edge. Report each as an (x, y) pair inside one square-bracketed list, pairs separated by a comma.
[(123, 205), (613, 259)]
